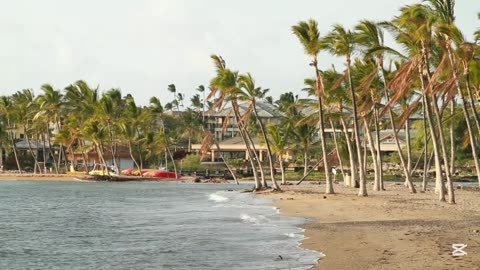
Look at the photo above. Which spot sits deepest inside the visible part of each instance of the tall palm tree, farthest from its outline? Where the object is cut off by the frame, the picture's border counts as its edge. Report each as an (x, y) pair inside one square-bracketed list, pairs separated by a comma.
[(25, 111), (309, 36), (226, 85), (370, 38), (252, 93), (156, 107), (50, 108), (340, 42), (444, 11), (413, 29), (7, 111)]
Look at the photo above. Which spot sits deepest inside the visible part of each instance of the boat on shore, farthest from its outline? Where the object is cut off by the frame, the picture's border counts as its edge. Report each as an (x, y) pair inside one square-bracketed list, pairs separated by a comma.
[(124, 178)]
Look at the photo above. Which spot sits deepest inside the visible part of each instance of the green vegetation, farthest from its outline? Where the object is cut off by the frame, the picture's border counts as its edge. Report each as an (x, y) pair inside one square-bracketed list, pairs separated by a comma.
[(423, 99)]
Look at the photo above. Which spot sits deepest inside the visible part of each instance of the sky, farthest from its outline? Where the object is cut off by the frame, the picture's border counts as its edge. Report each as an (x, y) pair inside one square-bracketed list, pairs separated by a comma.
[(142, 46)]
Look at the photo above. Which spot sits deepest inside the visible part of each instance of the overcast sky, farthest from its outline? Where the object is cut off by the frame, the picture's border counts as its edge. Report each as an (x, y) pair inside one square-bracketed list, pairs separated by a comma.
[(141, 46)]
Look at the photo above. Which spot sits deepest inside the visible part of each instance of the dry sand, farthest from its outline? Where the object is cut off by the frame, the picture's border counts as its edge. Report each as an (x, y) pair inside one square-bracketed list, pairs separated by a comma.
[(391, 229)]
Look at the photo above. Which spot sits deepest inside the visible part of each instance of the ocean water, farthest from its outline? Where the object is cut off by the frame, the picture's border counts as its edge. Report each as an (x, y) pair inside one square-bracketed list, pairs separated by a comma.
[(140, 225)]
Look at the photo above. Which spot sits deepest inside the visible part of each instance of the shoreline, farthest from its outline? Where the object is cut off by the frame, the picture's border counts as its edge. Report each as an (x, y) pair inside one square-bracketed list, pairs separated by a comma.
[(37, 177), (390, 229)]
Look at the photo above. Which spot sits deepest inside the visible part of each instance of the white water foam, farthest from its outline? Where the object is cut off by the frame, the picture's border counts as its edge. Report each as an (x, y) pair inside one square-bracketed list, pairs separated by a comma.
[(254, 220), (291, 235), (217, 198)]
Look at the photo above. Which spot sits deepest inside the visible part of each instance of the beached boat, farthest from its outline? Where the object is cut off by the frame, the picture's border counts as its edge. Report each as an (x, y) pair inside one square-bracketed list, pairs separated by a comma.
[(102, 170), (123, 178)]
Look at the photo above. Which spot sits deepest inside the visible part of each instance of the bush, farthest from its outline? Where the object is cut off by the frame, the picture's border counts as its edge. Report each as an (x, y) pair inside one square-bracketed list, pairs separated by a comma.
[(191, 162)]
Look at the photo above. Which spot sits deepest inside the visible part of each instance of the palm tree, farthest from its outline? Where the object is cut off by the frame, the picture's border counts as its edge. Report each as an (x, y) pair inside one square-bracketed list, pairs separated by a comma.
[(24, 111), (252, 93), (226, 84), (201, 89), (156, 108), (370, 38), (50, 108), (449, 33), (80, 97), (309, 36), (413, 29), (278, 144), (190, 123), (340, 42), (6, 110)]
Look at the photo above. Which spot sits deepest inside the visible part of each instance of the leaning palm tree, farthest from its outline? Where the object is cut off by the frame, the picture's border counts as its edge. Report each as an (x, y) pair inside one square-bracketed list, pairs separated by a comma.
[(252, 93), (309, 36), (370, 38), (413, 29), (340, 42), (450, 37), (226, 85)]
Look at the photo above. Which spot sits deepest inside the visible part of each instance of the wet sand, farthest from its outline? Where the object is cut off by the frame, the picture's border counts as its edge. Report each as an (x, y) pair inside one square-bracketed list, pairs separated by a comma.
[(37, 177), (391, 229)]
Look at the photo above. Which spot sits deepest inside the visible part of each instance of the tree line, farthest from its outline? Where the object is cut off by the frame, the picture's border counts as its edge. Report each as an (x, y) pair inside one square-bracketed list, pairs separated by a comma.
[(435, 74)]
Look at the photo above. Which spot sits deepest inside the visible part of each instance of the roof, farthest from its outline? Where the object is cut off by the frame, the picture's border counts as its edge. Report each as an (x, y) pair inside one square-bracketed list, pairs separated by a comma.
[(234, 144), (265, 110), (23, 144)]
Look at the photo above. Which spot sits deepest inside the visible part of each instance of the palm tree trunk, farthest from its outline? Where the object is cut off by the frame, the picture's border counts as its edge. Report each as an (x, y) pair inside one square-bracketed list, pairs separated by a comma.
[(408, 177), (426, 160), (436, 153), (409, 149), (34, 155), (337, 149), (451, 195), (225, 162), (305, 162), (269, 151), (351, 155), (377, 146), (112, 146), (326, 165), (376, 181), (363, 180), (467, 118), (452, 138), (50, 149), (258, 183), (284, 182), (259, 162), (130, 151), (15, 154)]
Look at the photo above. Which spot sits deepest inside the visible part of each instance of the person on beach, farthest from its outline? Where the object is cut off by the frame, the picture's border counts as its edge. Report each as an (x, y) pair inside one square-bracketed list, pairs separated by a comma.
[(334, 172)]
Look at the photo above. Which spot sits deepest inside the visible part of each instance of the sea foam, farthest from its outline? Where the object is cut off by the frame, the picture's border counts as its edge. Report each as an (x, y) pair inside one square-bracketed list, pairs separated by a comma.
[(217, 198)]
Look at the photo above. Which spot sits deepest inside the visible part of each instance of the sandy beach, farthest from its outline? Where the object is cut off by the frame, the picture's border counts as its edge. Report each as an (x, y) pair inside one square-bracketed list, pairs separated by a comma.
[(37, 177), (388, 230)]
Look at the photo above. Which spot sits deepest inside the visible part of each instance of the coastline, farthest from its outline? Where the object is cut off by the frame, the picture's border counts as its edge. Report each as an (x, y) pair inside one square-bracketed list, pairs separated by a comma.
[(37, 177), (391, 229)]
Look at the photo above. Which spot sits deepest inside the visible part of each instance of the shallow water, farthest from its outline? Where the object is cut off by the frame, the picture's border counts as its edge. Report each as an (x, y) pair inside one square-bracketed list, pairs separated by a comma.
[(69, 225)]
